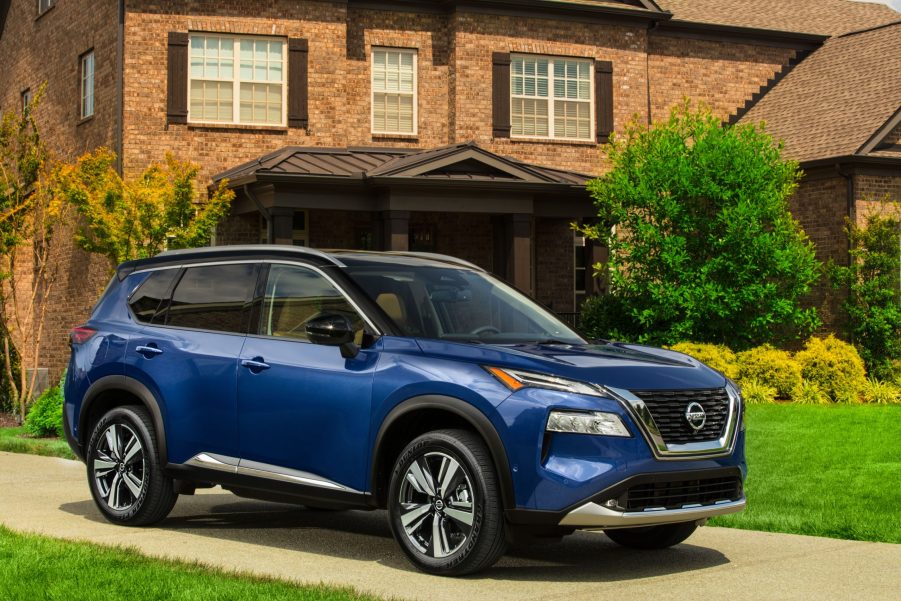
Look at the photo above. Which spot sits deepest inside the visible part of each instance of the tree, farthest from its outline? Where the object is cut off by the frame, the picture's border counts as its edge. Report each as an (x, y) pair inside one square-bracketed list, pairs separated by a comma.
[(126, 219), (702, 244), (30, 212), (873, 282)]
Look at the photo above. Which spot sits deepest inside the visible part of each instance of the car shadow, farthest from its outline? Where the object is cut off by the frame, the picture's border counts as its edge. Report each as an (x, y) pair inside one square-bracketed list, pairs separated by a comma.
[(365, 536)]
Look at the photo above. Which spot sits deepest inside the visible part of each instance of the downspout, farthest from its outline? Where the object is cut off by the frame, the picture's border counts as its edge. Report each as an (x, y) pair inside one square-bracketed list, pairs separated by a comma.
[(263, 211), (120, 88), (647, 66)]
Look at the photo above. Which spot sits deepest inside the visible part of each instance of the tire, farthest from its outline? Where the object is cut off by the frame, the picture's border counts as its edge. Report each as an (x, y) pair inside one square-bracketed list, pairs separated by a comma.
[(143, 494), (652, 537), (470, 538)]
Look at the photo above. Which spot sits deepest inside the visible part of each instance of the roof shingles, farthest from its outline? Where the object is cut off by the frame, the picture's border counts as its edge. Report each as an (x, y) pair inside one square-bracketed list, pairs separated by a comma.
[(832, 103)]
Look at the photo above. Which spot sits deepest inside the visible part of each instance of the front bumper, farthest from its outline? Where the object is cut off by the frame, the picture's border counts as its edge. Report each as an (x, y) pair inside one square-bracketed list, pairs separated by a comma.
[(593, 515)]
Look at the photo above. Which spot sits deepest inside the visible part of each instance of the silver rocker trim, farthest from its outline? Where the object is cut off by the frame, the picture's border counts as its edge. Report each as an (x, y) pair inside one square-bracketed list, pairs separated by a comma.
[(255, 469), (592, 515)]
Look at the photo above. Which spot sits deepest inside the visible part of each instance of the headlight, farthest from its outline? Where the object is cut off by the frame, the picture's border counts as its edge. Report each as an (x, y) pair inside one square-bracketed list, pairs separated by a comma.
[(515, 379), (575, 422), (596, 422)]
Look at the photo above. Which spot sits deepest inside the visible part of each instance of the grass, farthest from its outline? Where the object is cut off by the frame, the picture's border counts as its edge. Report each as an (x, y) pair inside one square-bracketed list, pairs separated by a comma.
[(34, 567), (15, 440), (829, 471)]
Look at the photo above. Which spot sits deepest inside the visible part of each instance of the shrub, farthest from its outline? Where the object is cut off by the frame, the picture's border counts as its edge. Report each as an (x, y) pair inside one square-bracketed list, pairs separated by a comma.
[(717, 356), (757, 393), (775, 367), (834, 366), (702, 244), (881, 393), (809, 393), (45, 418), (873, 304)]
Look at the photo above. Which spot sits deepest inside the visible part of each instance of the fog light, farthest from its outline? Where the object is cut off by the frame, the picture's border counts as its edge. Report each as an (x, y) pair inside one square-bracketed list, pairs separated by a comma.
[(596, 422)]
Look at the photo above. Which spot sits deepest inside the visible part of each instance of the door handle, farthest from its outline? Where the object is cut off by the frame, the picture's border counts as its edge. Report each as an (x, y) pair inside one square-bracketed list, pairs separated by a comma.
[(149, 351), (256, 365)]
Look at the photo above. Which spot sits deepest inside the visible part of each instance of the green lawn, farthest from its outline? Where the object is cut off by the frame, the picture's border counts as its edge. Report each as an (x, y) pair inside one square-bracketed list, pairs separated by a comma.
[(15, 440), (34, 567), (825, 471)]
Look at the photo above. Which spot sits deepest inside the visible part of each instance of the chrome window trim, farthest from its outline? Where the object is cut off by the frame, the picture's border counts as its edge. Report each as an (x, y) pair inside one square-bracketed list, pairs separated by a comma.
[(640, 413), (374, 329)]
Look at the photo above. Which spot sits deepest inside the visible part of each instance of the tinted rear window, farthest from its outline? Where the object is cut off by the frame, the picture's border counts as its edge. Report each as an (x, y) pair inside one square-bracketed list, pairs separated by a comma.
[(213, 298), (146, 300)]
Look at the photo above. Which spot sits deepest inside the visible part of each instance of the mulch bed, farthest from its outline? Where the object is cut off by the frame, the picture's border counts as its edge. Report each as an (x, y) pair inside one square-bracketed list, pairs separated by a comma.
[(8, 420)]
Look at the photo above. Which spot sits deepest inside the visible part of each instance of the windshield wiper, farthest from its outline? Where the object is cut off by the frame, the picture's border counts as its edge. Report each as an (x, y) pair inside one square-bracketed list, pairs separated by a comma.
[(551, 341)]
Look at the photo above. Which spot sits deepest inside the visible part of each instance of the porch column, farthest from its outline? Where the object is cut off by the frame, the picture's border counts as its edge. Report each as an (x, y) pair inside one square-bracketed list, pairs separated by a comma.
[(282, 227), (396, 230), (519, 251)]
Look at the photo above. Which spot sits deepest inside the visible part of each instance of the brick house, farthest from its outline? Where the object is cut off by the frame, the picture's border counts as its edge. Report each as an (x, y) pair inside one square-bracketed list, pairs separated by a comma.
[(465, 127)]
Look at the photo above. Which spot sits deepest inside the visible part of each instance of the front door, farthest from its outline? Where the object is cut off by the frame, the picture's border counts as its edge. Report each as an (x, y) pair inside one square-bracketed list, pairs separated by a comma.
[(303, 410)]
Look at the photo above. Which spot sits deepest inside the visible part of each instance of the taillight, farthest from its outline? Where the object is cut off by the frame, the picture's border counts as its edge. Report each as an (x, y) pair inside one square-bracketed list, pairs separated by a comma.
[(81, 334)]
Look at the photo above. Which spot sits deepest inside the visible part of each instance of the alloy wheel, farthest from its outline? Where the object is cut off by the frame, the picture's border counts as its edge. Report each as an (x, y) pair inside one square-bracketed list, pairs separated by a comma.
[(437, 504), (119, 467)]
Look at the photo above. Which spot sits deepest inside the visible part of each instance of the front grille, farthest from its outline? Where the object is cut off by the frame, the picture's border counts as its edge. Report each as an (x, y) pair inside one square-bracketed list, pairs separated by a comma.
[(668, 407), (674, 495)]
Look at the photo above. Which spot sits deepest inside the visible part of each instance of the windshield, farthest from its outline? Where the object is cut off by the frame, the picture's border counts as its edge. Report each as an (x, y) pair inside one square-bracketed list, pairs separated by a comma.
[(461, 305)]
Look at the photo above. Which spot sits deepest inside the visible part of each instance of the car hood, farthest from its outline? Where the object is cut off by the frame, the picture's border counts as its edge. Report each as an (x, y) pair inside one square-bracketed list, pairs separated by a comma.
[(613, 364)]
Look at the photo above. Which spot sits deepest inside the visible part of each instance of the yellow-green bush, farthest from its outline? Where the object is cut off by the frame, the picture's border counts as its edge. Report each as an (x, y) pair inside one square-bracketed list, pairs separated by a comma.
[(809, 393), (881, 393), (757, 393), (717, 356), (835, 367), (774, 367)]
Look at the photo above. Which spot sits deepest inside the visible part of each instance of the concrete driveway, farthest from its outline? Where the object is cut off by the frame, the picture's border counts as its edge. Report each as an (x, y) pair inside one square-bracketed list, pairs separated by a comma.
[(354, 548)]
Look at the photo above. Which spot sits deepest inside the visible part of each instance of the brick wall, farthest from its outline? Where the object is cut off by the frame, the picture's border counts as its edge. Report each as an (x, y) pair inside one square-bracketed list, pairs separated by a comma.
[(875, 193), (723, 75), (554, 266), (47, 49), (821, 206)]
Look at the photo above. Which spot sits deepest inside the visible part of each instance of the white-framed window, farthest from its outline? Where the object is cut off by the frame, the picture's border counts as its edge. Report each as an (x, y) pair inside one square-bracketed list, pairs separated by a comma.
[(551, 97), (237, 79), (394, 91), (45, 5), (87, 84)]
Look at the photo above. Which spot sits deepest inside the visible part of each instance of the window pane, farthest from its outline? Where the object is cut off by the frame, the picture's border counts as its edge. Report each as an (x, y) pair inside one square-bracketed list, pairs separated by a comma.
[(212, 298), (393, 91), (261, 103), (294, 296), (145, 301)]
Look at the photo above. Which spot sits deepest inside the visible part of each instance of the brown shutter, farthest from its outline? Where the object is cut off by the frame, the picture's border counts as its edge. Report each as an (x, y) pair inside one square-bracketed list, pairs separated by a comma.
[(500, 93), (177, 89), (603, 92), (298, 56)]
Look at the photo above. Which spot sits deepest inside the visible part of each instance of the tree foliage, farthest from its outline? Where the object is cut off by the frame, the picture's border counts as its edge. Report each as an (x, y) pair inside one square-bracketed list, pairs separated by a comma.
[(126, 219), (702, 243), (873, 281), (30, 212)]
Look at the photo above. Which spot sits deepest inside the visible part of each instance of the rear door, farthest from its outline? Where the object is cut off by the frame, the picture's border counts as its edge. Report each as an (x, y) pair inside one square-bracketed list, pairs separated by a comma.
[(303, 410), (188, 356)]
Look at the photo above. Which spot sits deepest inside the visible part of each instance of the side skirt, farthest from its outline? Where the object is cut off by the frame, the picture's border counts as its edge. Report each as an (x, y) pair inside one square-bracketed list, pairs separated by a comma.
[(268, 482)]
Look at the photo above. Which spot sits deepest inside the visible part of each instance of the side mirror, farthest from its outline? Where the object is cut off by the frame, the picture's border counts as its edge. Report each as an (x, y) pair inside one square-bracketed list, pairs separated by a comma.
[(333, 329)]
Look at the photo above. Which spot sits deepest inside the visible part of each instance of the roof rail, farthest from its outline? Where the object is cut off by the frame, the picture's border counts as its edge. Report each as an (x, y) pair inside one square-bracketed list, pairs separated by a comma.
[(435, 257), (304, 250)]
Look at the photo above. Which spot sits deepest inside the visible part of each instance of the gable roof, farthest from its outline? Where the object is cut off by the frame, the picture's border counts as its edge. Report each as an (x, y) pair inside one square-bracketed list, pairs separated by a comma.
[(825, 17), (835, 102), (460, 162)]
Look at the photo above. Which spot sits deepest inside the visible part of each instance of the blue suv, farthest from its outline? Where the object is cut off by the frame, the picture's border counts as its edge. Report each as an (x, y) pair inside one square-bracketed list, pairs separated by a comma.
[(413, 382)]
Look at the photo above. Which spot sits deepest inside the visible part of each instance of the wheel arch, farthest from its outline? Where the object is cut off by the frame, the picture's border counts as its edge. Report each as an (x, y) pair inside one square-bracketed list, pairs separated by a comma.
[(430, 407), (119, 391)]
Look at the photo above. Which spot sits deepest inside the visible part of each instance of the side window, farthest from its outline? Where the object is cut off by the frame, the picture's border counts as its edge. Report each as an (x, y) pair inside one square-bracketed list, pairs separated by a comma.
[(295, 295), (213, 297), (145, 301)]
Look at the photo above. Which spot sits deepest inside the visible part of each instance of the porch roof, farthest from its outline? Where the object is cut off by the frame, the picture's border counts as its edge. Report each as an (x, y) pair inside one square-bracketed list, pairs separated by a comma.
[(457, 163)]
